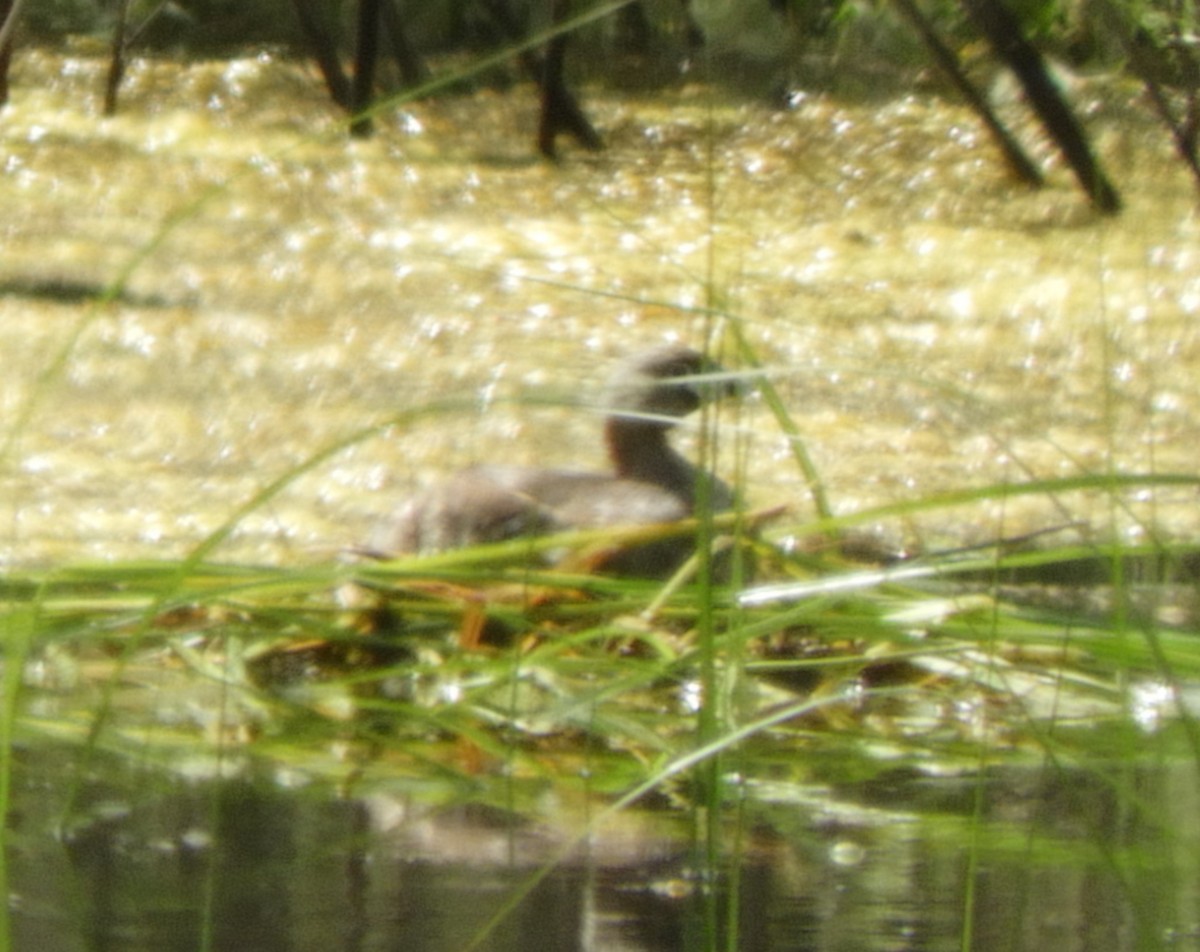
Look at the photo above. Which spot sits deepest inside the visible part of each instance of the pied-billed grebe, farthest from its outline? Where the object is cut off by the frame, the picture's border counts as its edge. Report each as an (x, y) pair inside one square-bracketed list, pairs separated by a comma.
[(650, 482)]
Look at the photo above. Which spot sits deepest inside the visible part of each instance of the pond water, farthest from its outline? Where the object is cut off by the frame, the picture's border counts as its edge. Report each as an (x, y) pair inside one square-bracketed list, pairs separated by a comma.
[(931, 326), (251, 863)]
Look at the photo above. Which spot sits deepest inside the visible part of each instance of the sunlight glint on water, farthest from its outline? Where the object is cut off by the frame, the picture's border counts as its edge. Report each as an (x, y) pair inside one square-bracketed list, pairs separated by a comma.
[(931, 325)]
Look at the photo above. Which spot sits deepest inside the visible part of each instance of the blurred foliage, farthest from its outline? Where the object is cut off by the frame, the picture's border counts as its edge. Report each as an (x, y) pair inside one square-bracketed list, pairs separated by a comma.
[(771, 32), (456, 24), (53, 18)]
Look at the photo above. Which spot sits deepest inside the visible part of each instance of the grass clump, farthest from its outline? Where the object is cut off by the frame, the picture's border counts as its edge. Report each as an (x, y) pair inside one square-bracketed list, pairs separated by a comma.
[(476, 646)]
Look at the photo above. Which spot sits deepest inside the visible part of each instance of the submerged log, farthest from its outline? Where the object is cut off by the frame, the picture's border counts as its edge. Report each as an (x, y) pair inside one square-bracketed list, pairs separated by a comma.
[(325, 52), (560, 110), (366, 55), (1003, 31), (354, 93), (1020, 164)]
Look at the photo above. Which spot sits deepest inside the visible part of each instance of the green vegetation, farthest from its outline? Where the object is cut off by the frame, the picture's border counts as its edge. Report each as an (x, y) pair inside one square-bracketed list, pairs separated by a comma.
[(474, 677), (485, 676)]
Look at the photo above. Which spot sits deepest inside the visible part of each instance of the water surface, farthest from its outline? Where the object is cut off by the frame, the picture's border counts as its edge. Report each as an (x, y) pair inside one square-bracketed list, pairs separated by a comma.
[(932, 325)]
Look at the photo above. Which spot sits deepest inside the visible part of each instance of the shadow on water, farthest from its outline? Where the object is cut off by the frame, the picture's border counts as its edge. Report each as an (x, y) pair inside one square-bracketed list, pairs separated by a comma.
[(153, 862)]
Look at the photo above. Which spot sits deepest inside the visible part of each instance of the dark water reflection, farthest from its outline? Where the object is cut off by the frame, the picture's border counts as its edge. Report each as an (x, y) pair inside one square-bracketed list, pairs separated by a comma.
[(1061, 863)]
